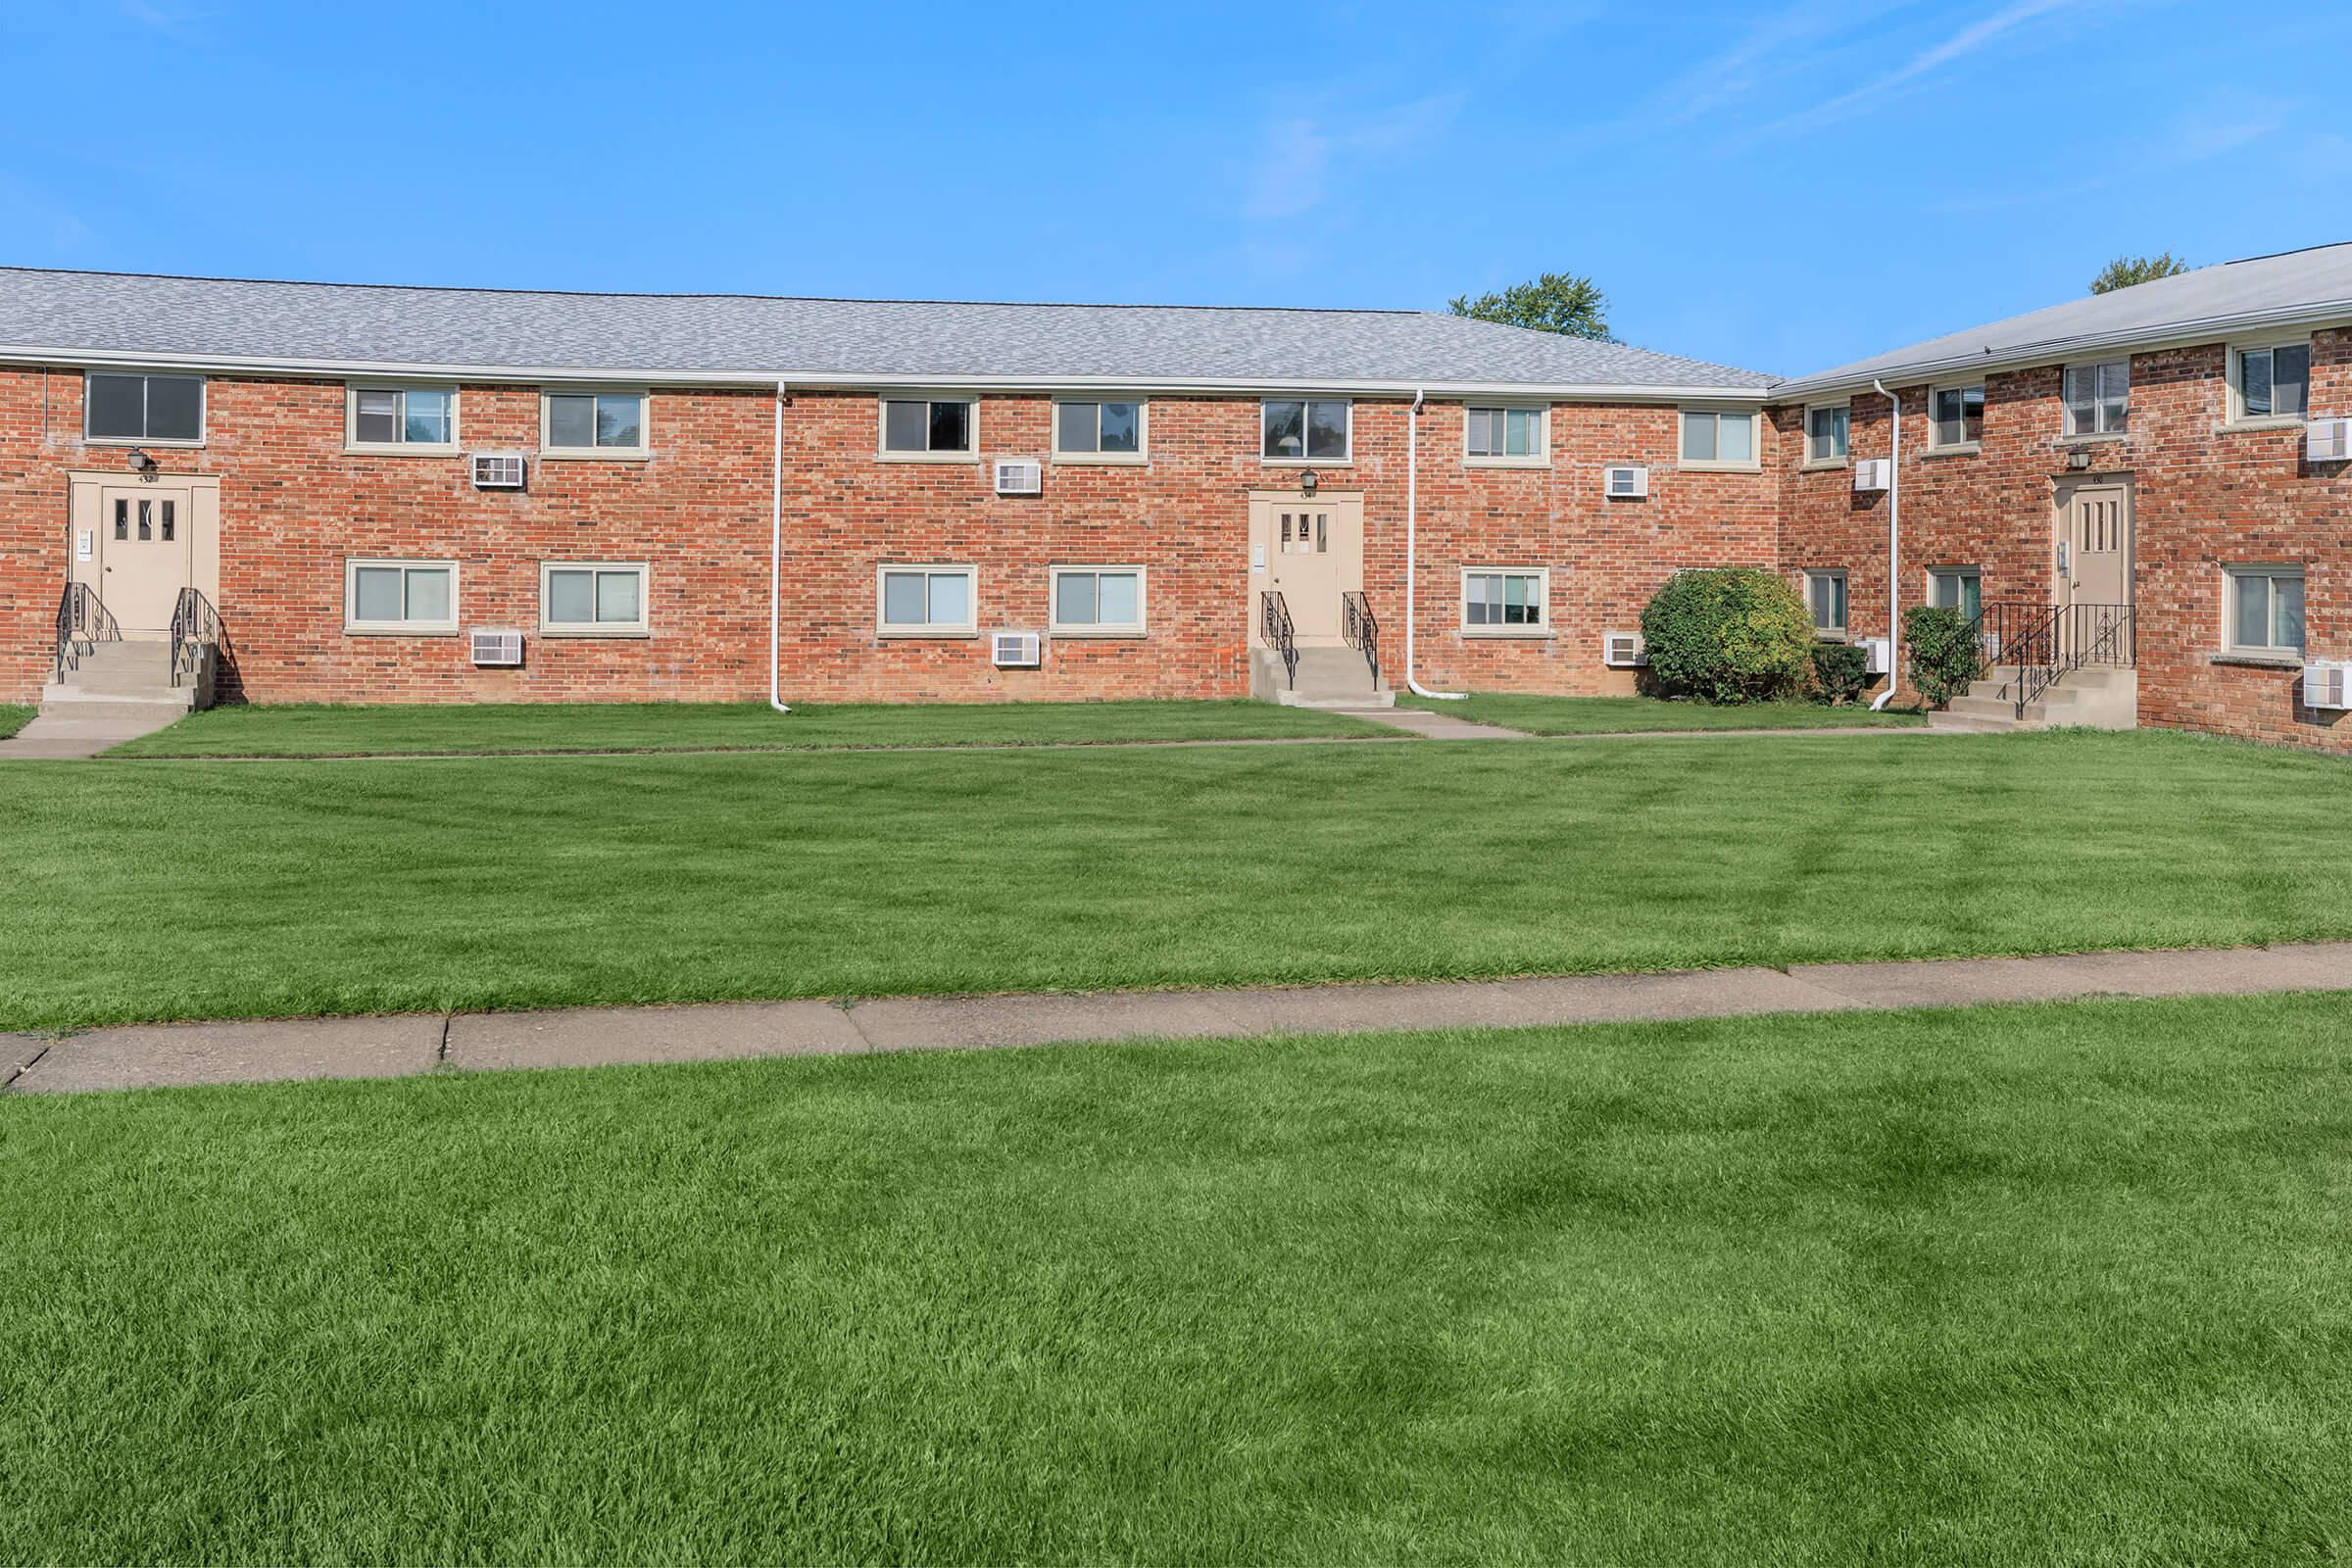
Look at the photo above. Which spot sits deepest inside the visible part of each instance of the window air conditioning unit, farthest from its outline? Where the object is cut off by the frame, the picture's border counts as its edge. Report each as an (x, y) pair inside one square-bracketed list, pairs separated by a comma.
[(2327, 684), (497, 648), (1871, 474), (1623, 649), (1628, 481), (498, 471), (1016, 650), (1878, 652), (1020, 476), (2327, 440)]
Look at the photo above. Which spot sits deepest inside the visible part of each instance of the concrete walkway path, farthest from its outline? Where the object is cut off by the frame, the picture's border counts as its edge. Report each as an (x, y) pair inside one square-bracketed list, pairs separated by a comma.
[(253, 1051), (1430, 724), (54, 738)]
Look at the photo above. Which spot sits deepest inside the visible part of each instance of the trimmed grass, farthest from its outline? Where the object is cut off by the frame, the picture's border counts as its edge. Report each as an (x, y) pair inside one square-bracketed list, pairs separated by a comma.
[(14, 716), (320, 729), (2059, 1284), (232, 889), (1620, 715)]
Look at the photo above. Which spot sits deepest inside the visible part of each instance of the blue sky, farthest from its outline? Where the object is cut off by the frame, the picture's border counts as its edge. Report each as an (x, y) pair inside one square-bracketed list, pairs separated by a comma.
[(1778, 186)]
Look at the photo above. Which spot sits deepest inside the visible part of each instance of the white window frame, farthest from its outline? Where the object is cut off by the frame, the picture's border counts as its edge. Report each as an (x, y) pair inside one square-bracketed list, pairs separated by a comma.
[(1539, 458), (2237, 573), (354, 626), (1345, 461), (642, 626), (2235, 416), (1837, 459), (1543, 625), (203, 408), (2100, 431), (969, 452), (1060, 628), (1753, 463), (1143, 431), (1845, 579), (1934, 573), (933, 569), (1983, 404), (398, 449), (645, 424)]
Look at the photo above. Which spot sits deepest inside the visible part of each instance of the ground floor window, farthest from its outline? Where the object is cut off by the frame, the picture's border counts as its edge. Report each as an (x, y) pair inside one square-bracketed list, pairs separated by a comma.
[(1099, 600), (400, 596), (592, 599), (2266, 610), (1824, 596), (927, 601), (1497, 599), (1960, 588)]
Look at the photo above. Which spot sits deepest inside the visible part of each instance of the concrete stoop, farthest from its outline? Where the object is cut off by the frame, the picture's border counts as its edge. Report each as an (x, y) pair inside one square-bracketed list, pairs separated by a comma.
[(112, 692), (2096, 696), (1333, 677)]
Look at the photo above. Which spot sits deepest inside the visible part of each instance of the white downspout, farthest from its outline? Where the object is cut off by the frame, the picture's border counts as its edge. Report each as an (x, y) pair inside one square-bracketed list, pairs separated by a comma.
[(1895, 543), (1412, 519), (776, 557)]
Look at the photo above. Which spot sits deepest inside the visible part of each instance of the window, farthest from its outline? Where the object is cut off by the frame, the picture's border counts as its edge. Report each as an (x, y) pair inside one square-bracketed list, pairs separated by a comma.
[(158, 519), (1099, 432), (1098, 601), (598, 424), (1826, 431), (409, 418), (400, 596), (2266, 610), (1960, 588), (927, 427), (1304, 429), (2271, 382), (1824, 596), (592, 599), (2099, 398), (1504, 436), (927, 601), (118, 407), (1720, 439), (1956, 417), (1503, 603)]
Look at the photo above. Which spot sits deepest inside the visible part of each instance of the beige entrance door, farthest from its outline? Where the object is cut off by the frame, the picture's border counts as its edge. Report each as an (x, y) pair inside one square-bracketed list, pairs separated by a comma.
[(2094, 535), (1311, 551), (136, 547)]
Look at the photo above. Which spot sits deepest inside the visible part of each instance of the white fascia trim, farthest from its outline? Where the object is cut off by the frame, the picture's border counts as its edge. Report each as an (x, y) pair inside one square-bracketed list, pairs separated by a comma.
[(842, 380)]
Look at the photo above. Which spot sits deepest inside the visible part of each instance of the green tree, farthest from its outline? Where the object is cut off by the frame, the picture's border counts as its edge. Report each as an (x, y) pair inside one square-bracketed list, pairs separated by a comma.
[(1555, 301), (2126, 270)]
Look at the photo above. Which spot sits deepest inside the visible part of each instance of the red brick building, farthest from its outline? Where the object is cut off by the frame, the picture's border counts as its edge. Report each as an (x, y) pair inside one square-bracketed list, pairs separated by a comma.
[(353, 482)]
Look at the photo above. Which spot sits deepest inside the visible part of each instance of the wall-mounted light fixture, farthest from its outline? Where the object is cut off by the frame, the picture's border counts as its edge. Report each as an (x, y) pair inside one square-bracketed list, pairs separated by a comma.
[(141, 463), (1307, 482)]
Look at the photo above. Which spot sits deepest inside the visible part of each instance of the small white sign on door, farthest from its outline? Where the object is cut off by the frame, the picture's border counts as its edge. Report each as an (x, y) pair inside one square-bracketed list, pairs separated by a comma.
[(82, 544)]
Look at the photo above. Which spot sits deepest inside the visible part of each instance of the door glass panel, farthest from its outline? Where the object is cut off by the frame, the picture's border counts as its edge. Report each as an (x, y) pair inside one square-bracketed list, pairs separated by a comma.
[(121, 519), (1322, 533), (567, 598), (146, 520), (616, 596), (428, 593), (166, 523)]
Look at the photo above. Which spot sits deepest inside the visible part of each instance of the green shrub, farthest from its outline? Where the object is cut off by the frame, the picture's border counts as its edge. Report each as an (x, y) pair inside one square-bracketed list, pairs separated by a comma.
[(1944, 653), (1841, 672), (1728, 635)]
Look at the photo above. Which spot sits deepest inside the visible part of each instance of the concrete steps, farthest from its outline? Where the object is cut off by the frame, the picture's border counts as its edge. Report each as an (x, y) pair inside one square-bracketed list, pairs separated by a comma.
[(1334, 678), (2096, 696), (113, 692)]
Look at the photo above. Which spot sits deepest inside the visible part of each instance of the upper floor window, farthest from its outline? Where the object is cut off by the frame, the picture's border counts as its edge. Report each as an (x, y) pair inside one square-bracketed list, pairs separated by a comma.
[(1719, 438), (601, 424), (137, 407), (2271, 382), (927, 427), (2266, 610), (1826, 431), (1956, 417), (1304, 429), (2099, 398), (1824, 596), (1503, 436), (1101, 432), (406, 417)]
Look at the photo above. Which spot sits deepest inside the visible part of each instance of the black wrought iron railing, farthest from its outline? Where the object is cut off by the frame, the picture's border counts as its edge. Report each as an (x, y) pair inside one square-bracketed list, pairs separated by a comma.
[(82, 624), (2048, 642), (1361, 629), (195, 634), (1274, 624)]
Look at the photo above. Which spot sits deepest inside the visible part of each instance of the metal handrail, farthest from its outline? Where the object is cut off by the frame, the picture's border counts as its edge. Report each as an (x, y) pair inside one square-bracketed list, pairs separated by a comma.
[(82, 622), (195, 627), (2048, 642), (1280, 634), (1361, 629)]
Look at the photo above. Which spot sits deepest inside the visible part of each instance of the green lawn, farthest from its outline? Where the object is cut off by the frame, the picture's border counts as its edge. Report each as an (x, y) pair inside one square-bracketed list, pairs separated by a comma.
[(2053, 1285), (211, 889), (316, 729), (14, 717), (1620, 715)]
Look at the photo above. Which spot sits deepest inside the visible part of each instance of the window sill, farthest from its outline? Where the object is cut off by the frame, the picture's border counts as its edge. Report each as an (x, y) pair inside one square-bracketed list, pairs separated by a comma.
[(2290, 422), (2279, 660), (138, 441), (1507, 463), (1307, 463), (400, 631), (1104, 460), (359, 449), (1823, 464), (927, 457), (963, 634), (1509, 634), (1700, 466), (596, 634), (1823, 634), (1958, 449), (583, 455), (1097, 634), (2101, 438)]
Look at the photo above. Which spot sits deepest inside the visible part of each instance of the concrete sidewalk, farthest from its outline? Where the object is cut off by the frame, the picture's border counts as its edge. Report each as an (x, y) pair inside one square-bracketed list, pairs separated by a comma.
[(256, 1051)]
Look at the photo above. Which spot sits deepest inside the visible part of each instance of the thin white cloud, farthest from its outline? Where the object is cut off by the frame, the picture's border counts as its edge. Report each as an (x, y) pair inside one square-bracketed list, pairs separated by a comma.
[(1976, 36), (1297, 161), (31, 213)]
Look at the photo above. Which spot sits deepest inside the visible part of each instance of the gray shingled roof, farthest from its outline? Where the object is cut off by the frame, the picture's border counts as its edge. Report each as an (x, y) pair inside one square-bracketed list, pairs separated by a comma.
[(2305, 283), (727, 336)]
